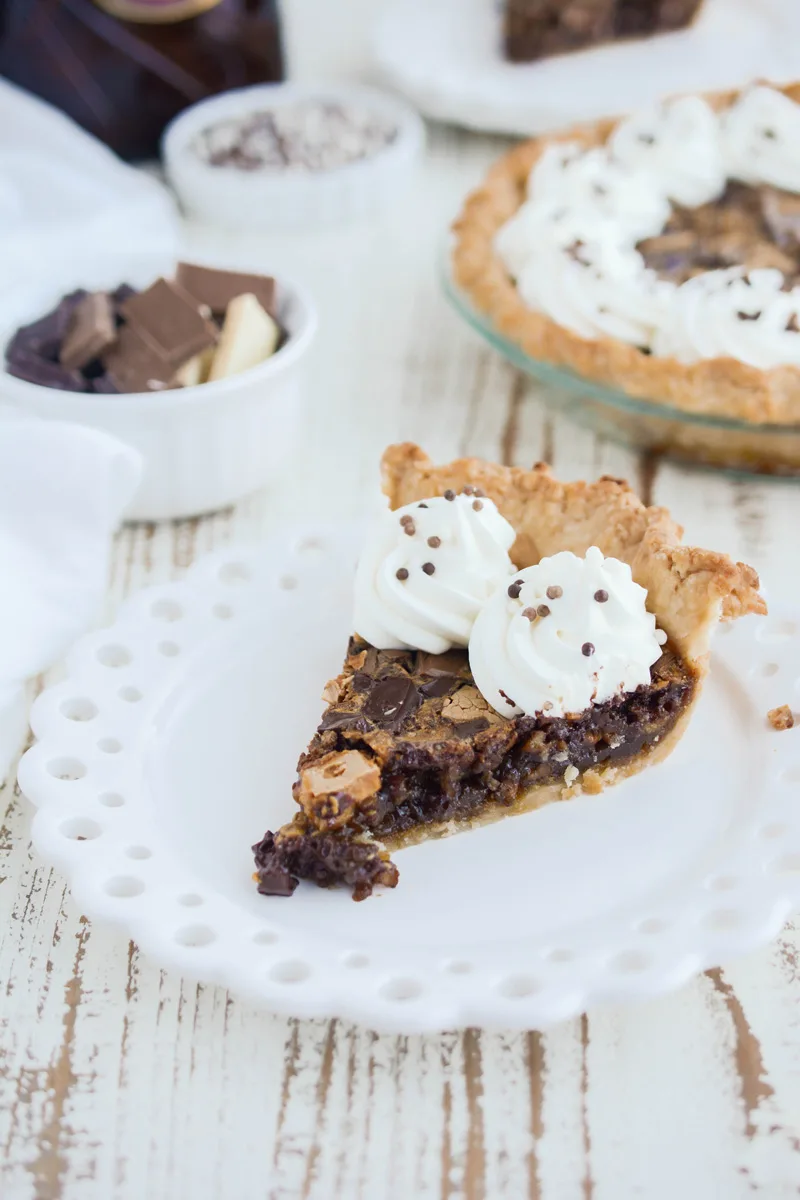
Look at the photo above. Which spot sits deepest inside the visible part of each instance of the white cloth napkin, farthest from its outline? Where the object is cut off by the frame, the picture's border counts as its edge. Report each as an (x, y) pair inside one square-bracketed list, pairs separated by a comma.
[(63, 489), (62, 192)]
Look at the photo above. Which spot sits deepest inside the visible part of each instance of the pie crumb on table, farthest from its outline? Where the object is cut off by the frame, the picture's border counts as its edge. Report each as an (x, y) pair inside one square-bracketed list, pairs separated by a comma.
[(781, 718)]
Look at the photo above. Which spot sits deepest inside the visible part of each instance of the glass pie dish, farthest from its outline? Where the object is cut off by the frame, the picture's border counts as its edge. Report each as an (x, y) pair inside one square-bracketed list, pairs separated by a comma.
[(694, 438)]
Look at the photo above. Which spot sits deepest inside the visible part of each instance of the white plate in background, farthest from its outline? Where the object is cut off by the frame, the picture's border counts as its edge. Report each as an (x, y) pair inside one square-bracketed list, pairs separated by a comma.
[(445, 56)]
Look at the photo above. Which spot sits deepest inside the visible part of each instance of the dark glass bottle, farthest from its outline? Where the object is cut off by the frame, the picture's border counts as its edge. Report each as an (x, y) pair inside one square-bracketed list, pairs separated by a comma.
[(124, 68)]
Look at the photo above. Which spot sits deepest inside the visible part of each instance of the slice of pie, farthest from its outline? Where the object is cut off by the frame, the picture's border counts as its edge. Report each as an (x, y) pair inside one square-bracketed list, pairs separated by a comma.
[(658, 255), (539, 28), (517, 662)]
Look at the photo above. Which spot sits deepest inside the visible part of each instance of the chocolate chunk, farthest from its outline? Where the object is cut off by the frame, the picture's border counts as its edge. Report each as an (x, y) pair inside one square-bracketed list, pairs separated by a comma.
[(218, 288), (43, 337), (362, 682), (274, 879), (35, 369), (167, 317), (134, 364), (392, 701), (442, 685), (468, 729), (452, 662), (122, 293), (337, 719), (781, 213), (104, 386), (90, 332), (371, 661)]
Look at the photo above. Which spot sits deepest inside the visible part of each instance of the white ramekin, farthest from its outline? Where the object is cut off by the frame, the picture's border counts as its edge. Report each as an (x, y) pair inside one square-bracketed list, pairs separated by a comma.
[(204, 447), (313, 200)]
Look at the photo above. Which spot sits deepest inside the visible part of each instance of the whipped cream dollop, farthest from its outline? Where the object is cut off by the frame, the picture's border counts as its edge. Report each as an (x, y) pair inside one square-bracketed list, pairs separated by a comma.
[(734, 314), (761, 138), (565, 634), (596, 289), (428, 568), (679, 146), (572, 245)]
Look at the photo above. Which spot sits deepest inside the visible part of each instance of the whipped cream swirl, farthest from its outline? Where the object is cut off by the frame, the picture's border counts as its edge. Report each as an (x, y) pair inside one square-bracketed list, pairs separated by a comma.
[(566, 634), (597, 290), (428, 568), (734, 314), (679, 146), (761, 138)]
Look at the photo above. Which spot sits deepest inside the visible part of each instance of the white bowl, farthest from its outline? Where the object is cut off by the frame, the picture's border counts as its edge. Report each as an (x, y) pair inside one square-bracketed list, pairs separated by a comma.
[(204, 447), (289, 201)]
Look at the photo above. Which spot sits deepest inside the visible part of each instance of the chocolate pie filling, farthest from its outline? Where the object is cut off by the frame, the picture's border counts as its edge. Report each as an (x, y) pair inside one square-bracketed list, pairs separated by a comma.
[(407, 740), (747, 226)]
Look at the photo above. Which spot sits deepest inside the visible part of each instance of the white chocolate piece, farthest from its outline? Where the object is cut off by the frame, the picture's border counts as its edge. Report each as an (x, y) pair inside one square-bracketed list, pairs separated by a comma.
[(195, 369), (249, 336)]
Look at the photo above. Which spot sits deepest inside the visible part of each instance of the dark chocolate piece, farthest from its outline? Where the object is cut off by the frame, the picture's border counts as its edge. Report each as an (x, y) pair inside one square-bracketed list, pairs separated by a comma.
[(167, 317), (217, 288), (392, 701), (91, 330), (35, 369)]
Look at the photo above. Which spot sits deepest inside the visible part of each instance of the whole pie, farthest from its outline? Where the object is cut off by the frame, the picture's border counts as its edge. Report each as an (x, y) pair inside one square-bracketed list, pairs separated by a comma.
[(516, 641), (659, 254), (538, 28)]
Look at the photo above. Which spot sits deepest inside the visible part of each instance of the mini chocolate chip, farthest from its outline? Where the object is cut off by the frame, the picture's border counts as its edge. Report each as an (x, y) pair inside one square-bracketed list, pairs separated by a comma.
[(477, 505), (402, 573), (743, 316), (601, 595), (587, 649), (422, 506), (514, 589), (449, 494), (434, 542), (410, 529), (406, 520), (530, 613), (554, 591), (428, 568), (479, 492), (468, 489), (543, 610)]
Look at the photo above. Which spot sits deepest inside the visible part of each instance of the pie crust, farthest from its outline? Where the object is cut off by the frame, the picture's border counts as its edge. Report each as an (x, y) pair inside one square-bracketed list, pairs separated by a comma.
[(722, 387)]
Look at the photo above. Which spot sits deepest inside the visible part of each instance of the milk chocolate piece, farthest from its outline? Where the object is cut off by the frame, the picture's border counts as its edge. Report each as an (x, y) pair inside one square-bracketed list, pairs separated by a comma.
[(90, 332), (33, 368), (168, 317), (134, 364), (218, 288)]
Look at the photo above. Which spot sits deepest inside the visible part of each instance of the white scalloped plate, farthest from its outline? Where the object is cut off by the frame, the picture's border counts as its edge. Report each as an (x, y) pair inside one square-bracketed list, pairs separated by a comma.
[(171, 746), (444, 55)]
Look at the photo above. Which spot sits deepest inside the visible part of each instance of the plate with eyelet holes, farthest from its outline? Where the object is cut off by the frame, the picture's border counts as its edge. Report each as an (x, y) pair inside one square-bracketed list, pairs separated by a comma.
[(171, 746)]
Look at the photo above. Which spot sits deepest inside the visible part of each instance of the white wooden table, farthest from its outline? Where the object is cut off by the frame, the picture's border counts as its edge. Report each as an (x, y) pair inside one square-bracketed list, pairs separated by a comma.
[(120, 1082)]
